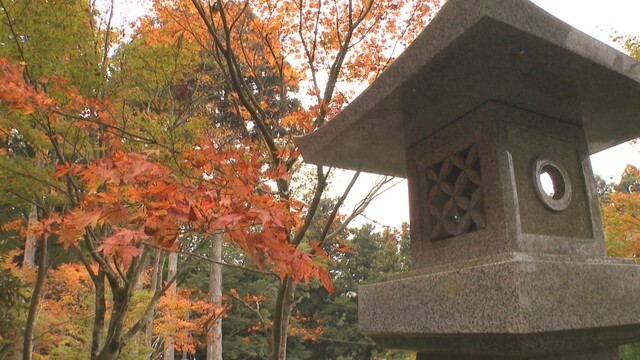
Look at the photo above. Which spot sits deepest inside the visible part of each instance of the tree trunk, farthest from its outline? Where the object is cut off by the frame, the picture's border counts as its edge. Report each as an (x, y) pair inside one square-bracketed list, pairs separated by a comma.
[(29, 259), (30, 243), (172, 269), (156, 281), (214, 336), (36, 299), (100, 310), (113, 345), (121, 295), (284, 307)]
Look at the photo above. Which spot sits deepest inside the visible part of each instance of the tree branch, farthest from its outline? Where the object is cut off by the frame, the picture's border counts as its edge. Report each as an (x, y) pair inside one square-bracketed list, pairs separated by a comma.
[(334, 213), (313, 207)]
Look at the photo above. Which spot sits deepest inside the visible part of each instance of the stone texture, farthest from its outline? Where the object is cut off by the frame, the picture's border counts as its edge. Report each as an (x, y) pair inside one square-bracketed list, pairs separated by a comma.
[(605, 354), (474, 51), (506, 141), (511, 305)]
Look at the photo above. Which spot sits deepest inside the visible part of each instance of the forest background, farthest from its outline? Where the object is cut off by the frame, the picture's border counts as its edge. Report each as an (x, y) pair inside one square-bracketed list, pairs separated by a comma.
[(153, 203)]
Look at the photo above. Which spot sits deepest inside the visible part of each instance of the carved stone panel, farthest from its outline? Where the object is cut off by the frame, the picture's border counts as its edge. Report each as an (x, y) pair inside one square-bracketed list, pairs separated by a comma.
[(454, 202)]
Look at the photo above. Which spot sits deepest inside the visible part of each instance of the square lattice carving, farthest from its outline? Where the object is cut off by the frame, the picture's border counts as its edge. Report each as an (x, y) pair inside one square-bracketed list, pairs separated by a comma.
[(455, 203)]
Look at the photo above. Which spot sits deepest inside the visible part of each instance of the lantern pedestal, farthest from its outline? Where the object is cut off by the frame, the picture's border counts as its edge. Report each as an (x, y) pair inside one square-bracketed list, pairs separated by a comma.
[(509, 306)]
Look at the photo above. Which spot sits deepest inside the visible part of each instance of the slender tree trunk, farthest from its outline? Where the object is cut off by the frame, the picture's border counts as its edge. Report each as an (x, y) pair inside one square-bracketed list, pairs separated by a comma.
[(214, 336), (100, 310), (31, 239), (172, 269), (156, 280), (36, 299), (30, 244), (284, 307)]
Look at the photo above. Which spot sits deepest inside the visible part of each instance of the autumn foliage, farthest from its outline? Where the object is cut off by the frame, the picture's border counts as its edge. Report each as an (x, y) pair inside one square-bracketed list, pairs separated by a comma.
[(120, 146), (115, 150), (212, 188), (620, 204)]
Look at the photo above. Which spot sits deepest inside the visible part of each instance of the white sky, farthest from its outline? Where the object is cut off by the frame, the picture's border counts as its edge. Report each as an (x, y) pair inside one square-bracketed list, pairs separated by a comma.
[(597, 18)]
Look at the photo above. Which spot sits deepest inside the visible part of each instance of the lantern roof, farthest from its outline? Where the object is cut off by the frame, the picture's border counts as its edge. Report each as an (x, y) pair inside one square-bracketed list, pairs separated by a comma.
[(475, 51)]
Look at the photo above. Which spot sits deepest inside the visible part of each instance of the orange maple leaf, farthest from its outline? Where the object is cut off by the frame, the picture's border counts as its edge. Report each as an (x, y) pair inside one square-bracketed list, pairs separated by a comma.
[(86, 218)]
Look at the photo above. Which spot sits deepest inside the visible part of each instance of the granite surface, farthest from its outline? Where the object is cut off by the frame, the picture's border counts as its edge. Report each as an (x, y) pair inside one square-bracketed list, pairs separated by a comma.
[(472, 52), (604, 354), (509, 305), (506, 142)]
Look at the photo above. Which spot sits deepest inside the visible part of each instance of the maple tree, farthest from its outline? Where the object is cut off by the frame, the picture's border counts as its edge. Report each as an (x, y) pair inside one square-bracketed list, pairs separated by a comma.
[(184, 132), (126, 202), (122, 198), (620, 206), (26, 39), (332, 44)]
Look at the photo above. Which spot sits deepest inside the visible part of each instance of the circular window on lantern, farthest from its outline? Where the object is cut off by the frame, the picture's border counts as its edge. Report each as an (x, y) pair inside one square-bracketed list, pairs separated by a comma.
[(552, 184)]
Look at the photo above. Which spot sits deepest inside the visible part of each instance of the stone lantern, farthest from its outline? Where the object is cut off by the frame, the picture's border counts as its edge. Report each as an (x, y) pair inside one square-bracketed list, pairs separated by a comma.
[(491, 114)]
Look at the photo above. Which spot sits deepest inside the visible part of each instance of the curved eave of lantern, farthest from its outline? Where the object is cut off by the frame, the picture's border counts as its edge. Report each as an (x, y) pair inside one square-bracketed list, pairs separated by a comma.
[(475, 51)]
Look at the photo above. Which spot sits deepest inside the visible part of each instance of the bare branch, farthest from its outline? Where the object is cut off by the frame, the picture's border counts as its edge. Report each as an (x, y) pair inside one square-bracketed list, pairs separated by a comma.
[(244, 268), (337, 206), (233, 68), (313, 207), (255, 310), (377, 190), (105, 55)]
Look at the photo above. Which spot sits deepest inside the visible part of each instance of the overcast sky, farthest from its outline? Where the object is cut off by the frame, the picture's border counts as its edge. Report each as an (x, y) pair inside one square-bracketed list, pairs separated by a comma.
[(596, 17)]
